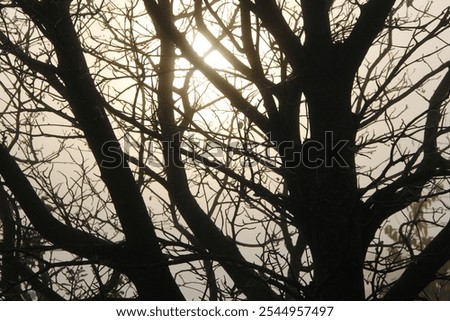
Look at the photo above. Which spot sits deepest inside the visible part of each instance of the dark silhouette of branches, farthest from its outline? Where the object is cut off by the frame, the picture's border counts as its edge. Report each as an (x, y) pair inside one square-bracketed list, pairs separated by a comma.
[(224, 150)]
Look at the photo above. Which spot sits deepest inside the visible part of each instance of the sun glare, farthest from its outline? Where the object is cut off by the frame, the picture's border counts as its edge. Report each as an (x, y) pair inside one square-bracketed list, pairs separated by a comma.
[(209, 53)]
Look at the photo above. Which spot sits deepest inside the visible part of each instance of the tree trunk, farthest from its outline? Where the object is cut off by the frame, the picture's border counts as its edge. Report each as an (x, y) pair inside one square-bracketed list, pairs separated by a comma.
[(336, 249), (329, 214), (332, 228)]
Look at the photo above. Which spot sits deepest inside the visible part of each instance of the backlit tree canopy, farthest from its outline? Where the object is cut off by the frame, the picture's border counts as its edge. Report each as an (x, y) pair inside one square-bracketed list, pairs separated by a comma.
[(224, 150)]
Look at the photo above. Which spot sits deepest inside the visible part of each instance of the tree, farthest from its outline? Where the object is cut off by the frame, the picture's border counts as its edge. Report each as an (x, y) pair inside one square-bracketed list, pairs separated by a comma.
[(259, 150)]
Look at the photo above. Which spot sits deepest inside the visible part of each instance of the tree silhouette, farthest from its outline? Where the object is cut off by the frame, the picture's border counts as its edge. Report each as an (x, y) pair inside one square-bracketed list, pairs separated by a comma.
[(224, 150)]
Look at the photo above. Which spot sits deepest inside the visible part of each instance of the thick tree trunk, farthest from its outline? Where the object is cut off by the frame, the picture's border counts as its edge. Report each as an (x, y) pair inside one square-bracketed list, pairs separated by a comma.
[(151, 284), (336, 249), (329, 214), (332, 227)]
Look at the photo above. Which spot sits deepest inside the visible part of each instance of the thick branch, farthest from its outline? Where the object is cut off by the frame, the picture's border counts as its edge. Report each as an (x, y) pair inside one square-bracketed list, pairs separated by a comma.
[(142, 246), (70, 239), (370, 23), (272, 19), (250, 51), (423, 268), (434, 116), (177, 182), (317, 23), (87, 107)]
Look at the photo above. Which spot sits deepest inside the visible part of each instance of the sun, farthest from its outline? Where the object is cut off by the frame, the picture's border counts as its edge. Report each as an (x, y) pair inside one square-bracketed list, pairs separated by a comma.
[(209, 52), (205, 98)]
